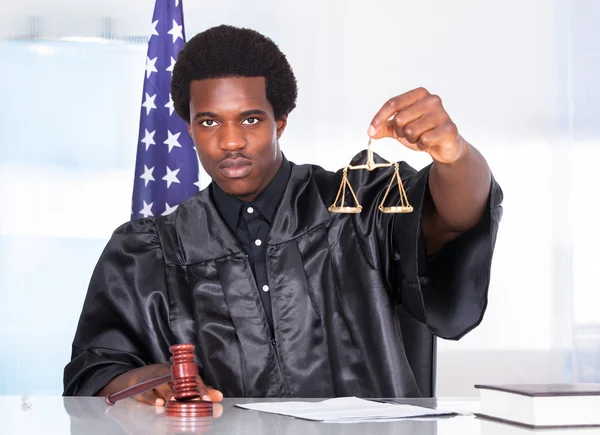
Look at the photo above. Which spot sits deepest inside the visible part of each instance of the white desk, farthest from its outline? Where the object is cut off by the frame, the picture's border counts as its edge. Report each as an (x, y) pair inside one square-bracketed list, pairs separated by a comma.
[(72, 415)]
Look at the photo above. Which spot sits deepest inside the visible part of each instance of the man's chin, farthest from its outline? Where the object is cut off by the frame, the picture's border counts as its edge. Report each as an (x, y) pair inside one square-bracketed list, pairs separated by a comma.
[(239, 189), (242, 194)]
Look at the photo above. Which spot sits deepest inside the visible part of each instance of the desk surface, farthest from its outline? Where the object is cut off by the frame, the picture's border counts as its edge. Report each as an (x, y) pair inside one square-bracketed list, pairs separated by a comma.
[(90, 415)]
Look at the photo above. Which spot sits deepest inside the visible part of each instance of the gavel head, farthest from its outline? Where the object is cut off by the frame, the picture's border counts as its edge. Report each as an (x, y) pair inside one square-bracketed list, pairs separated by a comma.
[(184, 372)]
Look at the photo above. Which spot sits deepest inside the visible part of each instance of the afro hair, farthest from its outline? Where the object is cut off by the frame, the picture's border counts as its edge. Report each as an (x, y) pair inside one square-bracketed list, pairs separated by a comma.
[(227, 51)]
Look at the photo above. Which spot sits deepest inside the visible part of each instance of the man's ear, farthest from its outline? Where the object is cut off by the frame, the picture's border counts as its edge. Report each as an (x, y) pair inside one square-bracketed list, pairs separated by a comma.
[(190, 129), (281, 124)]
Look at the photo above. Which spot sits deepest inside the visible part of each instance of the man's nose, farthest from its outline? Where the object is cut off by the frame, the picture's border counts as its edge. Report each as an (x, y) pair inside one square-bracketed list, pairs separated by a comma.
[(232, 137)]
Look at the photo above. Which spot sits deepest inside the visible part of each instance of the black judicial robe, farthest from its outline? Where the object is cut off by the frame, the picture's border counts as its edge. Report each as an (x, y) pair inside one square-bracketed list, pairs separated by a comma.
[(335, 282)]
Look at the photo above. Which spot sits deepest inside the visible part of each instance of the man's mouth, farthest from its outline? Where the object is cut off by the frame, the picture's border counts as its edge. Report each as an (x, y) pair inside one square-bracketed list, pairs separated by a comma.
[(235, 168)]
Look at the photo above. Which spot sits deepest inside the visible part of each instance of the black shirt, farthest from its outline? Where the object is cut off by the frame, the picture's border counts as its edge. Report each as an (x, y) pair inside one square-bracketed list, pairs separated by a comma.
[(251, 222)]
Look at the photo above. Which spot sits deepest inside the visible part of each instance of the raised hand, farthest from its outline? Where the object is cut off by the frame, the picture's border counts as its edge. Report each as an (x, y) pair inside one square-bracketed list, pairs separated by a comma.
[(418, 120)]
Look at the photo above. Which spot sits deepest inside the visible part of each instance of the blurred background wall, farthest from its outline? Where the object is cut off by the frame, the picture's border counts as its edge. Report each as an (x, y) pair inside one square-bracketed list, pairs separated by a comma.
[(519, 77)]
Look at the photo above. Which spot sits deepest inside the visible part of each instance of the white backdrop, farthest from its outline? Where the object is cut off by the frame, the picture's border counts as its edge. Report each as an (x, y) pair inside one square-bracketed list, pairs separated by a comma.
[(519, 78)]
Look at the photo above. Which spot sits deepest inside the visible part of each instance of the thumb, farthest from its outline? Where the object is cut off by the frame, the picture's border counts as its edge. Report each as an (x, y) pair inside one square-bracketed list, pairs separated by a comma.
[(381, 130)]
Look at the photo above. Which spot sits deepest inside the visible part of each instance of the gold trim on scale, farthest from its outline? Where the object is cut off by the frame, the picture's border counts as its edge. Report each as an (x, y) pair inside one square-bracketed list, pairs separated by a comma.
[(402, 207)]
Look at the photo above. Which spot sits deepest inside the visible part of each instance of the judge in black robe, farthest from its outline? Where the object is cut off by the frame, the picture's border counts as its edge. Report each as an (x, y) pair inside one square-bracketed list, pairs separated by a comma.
[(335, 280), (335, 284)]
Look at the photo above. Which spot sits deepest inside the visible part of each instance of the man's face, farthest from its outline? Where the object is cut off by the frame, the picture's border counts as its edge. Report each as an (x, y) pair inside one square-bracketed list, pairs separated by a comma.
[(236, 133)]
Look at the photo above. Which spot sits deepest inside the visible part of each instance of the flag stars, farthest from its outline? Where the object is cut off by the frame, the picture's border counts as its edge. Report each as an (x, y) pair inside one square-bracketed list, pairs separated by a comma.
[(172, 140), (147, 210), (152, 198), (171, 176), (147, 175), (154, 31), (150, 66), (176, 31), (168, 209), (148, 139), (149, 103), (170, 67), (197, 183), (169, 105)]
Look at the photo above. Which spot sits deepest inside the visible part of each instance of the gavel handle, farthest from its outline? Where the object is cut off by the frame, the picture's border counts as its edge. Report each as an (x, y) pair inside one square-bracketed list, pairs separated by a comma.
[(137, 389)]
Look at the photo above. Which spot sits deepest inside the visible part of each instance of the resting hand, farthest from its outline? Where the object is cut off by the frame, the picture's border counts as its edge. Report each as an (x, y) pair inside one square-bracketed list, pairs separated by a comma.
[(160, 395)]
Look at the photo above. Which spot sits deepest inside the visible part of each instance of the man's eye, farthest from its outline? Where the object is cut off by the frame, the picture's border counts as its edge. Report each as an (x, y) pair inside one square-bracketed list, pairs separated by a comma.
[(208, 123), (251, 121)]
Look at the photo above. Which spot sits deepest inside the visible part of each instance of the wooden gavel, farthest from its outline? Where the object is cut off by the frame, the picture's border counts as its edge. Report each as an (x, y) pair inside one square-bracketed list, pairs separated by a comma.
[(184, 375)]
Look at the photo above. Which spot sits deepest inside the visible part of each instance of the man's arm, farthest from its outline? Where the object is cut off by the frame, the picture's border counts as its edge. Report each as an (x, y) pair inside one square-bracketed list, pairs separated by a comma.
[(122, 327), (460, 193), (457, 211), (123, 337), (459, 181)]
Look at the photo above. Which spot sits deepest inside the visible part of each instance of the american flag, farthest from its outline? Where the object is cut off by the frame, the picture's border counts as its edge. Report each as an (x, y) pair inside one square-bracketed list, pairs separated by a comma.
[(166, 168)]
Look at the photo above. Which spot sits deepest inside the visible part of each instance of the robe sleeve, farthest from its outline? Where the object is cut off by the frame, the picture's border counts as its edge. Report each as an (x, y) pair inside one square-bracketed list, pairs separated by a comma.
[(124, 323), (448, 291)]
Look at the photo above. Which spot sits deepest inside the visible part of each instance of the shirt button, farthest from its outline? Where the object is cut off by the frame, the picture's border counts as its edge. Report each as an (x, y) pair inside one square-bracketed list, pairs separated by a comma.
[(265, 288), (250, 210), (258, 242)]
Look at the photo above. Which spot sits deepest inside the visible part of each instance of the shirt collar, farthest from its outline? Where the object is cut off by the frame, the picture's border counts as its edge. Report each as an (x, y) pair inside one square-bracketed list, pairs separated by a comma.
[(266, 202)]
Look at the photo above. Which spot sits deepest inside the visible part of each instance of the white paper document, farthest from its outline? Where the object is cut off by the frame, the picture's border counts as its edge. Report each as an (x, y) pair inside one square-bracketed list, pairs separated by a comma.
[(345, 410)]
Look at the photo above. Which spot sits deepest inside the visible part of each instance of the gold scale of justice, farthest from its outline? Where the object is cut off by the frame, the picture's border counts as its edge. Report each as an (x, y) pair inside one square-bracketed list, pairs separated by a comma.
[(402, 207)]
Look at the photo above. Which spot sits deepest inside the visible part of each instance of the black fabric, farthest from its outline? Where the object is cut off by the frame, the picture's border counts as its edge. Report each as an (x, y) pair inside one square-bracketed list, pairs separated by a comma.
[(336, 281), (420, 348), (251, 223)]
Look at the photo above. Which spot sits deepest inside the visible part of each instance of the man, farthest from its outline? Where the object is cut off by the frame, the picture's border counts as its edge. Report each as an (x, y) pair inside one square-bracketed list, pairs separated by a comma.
[(281, 296)]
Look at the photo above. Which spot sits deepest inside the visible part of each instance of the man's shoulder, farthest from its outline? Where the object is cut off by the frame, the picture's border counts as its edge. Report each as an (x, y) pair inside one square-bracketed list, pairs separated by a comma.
[(136, 226), (191, 208), (313, 172)]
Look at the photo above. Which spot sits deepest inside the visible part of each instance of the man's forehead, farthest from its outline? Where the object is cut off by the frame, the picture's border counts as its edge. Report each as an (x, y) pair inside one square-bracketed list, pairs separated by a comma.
[(241, 86)]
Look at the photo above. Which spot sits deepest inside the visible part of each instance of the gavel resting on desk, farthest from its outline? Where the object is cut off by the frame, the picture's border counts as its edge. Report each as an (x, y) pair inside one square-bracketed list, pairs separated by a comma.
[(184, 375)]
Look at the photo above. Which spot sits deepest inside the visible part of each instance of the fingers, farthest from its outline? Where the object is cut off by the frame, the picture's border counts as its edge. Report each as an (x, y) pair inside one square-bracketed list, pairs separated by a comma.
[(409, 133), (165, 392), (419, 121), (160, 395), (378, 128), (416, 119), (411, 122), (412, 117), (217, 410), (414, 131), (444, 143), (204, 394), (215, 395), (207, 393), (151, 397)]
